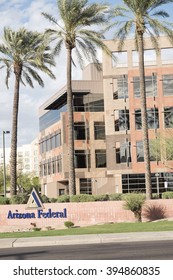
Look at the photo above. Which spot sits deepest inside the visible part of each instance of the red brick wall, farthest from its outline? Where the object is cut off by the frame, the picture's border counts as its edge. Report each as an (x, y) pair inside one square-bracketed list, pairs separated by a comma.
[(88, 213)]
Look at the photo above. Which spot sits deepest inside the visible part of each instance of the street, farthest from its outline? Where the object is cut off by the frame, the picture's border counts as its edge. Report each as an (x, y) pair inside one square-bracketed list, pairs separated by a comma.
[(151, 250)]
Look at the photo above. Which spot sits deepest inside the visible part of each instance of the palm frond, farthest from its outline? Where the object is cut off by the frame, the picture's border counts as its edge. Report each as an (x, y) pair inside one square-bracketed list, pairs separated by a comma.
[(34, 75), (27, 79), (52, 19)]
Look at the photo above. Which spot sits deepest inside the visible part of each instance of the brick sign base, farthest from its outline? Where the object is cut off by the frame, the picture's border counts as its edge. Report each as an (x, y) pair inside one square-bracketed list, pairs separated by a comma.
[(53, 215)]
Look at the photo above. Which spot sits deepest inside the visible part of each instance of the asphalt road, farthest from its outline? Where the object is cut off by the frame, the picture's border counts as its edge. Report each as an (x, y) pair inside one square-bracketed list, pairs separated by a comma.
[(152, 250)]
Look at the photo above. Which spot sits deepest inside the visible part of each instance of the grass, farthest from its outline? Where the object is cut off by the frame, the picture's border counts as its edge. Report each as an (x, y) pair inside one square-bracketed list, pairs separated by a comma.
[(96, 229)]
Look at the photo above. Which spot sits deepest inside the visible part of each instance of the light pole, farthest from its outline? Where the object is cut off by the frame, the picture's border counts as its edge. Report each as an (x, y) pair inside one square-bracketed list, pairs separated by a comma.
[(3, 144)]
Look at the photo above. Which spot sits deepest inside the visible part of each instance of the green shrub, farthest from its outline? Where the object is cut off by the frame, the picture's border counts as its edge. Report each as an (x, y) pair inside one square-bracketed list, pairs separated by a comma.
[(115, 196), (69, 224), (167, 195), (36, 229), (101, 197), (155, 196), (63, 198), (82, 198), (134, 202), (45, 199), (4, 200), (53, 200), (19, 199)]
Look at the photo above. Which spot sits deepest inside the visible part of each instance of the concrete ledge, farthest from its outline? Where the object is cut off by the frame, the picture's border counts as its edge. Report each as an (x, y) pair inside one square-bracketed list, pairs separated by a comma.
[(7, 242), (86, 239)]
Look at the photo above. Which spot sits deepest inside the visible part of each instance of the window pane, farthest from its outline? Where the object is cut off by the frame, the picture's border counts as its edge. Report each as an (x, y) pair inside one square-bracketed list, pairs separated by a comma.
[(99, 130), (155, 154), (51, 117), (167, 84), (167, 56), (168, 117), (123, 154), (100, 158), (150, 84), (121, 59), (139, 151), (149, 57), (79, 131), (61, 192), (152, 118), (82, 159), (88, 103), (120, 87), (85, 186), (138, 120), (123, 123), (59, 163)]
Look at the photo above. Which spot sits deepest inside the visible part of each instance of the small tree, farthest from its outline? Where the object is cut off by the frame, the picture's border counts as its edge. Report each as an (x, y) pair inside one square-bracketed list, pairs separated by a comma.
[(134, 203), (161, 148), (26, 182)]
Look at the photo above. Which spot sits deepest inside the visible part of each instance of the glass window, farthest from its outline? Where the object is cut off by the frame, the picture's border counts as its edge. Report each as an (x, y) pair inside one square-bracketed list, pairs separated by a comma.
[(78, 103), (168, 117), (99, 130), (59, 163), (138, 120), (58, 139), (152, 118), (82, 159), (123, 153), (167, 56), (167, 84), (41, 170), (123, 122), (51, 117), (54, 165), (155, 154), (100, 158), (139, 151), (136, 182), (61, 192), (121, 87), (95, 106), (27, 154), (45, 169), (79, 131), (49, 167), (85, 186), (120, 59), (149, 57), (27, 159), (52, 142), (88, 103), (150, 85)]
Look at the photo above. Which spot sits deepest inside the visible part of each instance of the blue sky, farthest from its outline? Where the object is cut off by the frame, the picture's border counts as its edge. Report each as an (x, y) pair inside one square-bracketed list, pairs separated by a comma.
[(27, 13)]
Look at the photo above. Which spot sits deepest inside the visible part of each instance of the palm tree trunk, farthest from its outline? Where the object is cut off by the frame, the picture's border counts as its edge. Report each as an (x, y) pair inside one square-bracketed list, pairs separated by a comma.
[(72, 182), (13, 159), (144, 116)]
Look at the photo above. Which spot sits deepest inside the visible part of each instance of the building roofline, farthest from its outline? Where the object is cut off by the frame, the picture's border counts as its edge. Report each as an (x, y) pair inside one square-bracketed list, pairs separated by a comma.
[(78, 86)]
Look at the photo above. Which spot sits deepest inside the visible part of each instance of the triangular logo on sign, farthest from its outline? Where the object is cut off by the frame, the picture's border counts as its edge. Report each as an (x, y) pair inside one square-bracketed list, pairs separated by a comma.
[(34, 200)]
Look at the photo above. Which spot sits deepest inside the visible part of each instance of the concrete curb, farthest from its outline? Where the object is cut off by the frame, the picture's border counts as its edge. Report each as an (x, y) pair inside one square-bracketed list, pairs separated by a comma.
[(85, 239)]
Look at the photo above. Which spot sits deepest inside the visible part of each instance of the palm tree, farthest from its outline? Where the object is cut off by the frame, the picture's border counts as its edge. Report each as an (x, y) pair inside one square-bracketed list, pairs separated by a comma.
[(74, 30), (142, 17), (23, 52)]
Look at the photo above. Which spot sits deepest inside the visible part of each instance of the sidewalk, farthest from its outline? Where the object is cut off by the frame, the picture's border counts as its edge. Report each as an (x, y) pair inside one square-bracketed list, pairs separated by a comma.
[(85, 239)]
